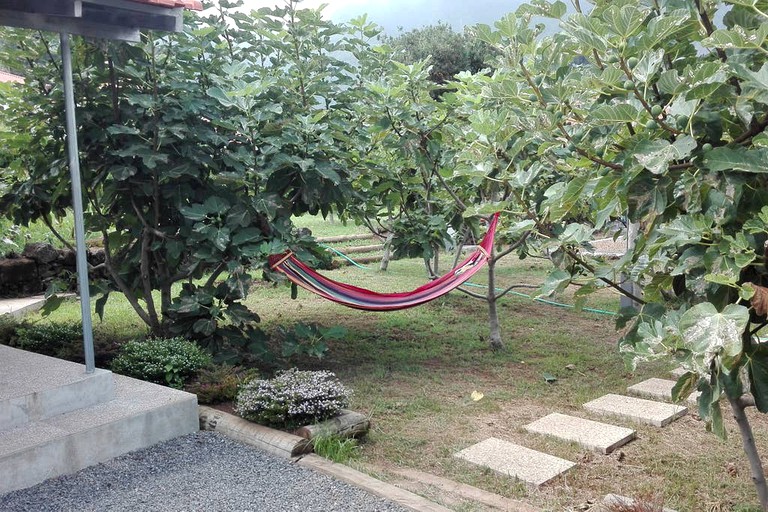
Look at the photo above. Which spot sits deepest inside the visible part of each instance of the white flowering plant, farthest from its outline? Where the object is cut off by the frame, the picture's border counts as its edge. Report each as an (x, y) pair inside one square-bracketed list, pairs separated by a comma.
[(293, 398)]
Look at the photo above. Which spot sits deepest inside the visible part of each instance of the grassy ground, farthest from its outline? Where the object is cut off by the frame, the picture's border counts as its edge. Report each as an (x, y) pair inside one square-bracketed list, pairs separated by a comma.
[(413, 372)]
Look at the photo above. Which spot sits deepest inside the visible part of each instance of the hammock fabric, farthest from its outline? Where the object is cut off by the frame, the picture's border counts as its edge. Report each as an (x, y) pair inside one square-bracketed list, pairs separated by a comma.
[(360, 298)]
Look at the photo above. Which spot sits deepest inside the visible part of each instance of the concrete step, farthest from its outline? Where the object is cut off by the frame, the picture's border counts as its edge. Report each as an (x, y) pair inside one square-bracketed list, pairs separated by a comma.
[(509, 459), (34, 387), (140, 414), (21, 306), (658, 389), (638, 410), (590, 434)]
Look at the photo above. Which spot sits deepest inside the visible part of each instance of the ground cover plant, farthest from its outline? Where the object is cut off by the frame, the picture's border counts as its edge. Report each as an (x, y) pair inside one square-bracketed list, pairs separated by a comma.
[(292, 398)]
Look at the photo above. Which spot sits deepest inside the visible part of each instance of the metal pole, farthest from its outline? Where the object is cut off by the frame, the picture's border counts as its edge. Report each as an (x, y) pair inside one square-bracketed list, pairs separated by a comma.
[(77, 204)]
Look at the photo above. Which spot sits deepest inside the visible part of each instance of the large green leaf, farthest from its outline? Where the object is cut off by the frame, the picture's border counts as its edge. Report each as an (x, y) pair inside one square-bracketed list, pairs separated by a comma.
[(737, 159), (711, 334), (612, 114), (758, 378), (656, 155)]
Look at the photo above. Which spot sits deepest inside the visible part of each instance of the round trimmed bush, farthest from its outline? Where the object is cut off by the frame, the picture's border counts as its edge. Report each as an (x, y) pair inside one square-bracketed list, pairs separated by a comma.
[(168, 361), (293, 398)]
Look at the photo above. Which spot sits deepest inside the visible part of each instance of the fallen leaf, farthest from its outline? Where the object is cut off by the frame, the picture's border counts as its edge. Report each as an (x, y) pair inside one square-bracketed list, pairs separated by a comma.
[(476, 395)]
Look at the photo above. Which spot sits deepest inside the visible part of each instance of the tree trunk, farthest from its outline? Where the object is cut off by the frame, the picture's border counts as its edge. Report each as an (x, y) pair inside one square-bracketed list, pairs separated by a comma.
[(387, 254), (750, 448), (493, 316), (346, 424), (436, 262)]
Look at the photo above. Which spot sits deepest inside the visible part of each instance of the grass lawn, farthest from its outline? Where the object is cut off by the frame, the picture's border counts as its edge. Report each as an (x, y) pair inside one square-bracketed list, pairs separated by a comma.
[(413, 372)]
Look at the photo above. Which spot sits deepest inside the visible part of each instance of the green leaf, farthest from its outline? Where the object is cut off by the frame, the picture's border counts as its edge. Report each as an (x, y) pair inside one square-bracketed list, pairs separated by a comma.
[(716, 421), (220, 238), (757, 366), (549, 378), (656, 155), (709, 333), (611, 114), (684, 386), (196, 212), (556, 281), (723, 279), (246, 235), (741, 159)]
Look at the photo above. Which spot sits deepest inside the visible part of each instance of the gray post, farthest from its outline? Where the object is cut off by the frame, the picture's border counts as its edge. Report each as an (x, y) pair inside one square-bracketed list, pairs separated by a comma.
[(77, 204), (628, 285)]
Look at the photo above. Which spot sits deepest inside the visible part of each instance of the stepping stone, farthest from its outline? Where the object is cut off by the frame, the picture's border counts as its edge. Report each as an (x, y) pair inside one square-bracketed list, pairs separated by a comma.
[(678, 372), (517, 461), (591, 434), (616, 502), (637, 409), (660, 389)]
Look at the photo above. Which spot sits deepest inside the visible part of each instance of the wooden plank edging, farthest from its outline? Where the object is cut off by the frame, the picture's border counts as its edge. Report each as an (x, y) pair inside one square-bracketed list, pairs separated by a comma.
[(384, 490), (268, 439)]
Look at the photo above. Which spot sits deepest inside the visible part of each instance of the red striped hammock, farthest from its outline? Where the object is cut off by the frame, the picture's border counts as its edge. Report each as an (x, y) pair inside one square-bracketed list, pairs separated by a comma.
[(360, 298)]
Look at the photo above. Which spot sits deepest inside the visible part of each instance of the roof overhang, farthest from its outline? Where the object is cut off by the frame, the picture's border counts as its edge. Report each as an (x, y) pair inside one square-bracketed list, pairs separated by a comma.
[(107, 19)]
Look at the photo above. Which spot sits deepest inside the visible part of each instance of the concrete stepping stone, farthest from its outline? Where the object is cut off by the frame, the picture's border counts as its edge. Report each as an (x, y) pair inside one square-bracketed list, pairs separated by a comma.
[(678, 372), (590, 434), (659, 389), (612, 501), (509, 459), (639, 410)]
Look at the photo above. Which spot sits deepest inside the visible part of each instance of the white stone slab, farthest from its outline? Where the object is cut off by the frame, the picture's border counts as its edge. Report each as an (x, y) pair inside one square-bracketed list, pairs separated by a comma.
[(659, 389), (678, 372), (517, 461), (639, 410), (615, 502), (591, 434)]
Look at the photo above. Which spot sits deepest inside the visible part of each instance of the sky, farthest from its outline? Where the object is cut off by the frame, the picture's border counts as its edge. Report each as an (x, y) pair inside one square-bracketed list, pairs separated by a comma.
[(408, 14)]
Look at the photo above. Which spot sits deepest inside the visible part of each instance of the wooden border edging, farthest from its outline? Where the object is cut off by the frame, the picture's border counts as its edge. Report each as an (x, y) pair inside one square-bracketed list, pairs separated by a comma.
[(384, 490), (292, 447), (268, 439), (467, 492)]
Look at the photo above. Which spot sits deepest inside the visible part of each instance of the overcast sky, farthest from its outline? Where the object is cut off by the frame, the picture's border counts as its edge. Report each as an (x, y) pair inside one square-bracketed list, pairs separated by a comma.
[(408, 14)]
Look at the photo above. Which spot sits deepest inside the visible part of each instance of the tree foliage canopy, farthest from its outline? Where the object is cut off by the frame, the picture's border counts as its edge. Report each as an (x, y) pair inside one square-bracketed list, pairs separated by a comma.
[(449, 52)]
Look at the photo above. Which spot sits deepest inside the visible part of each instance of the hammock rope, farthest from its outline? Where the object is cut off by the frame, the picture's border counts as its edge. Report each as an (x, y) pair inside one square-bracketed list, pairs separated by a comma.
[(361, 298)]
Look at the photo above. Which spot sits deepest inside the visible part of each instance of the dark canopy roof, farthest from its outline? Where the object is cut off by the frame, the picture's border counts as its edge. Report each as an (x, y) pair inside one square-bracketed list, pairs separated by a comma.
[(109, 19)]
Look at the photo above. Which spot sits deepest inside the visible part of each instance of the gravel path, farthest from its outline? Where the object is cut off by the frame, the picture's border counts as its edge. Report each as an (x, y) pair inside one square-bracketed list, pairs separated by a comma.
[(201, 471)]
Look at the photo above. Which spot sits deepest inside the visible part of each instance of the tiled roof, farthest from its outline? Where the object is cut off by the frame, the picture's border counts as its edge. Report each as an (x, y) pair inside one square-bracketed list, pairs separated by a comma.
[(10, 77), (194, 5)]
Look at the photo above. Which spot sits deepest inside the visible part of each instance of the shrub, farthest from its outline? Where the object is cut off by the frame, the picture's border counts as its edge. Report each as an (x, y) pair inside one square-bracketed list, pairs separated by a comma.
[(219, 383), (293, 398), (167, 361), (49, 338), (8, 326)]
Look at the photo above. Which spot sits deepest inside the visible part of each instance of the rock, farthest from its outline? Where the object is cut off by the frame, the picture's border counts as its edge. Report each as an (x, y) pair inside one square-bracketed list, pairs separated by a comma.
[(17, 270), (41, 253)]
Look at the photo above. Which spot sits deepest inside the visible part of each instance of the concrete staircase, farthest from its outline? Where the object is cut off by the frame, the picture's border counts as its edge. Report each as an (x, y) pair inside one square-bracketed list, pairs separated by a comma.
[(56, 419)]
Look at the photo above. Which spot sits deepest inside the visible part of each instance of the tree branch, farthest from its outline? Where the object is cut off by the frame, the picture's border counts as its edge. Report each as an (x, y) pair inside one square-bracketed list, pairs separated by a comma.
[(513, 286), (472, 294)]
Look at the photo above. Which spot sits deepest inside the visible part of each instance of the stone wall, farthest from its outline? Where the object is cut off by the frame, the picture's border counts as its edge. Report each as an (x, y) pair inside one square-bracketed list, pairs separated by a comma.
[(33, 270)]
